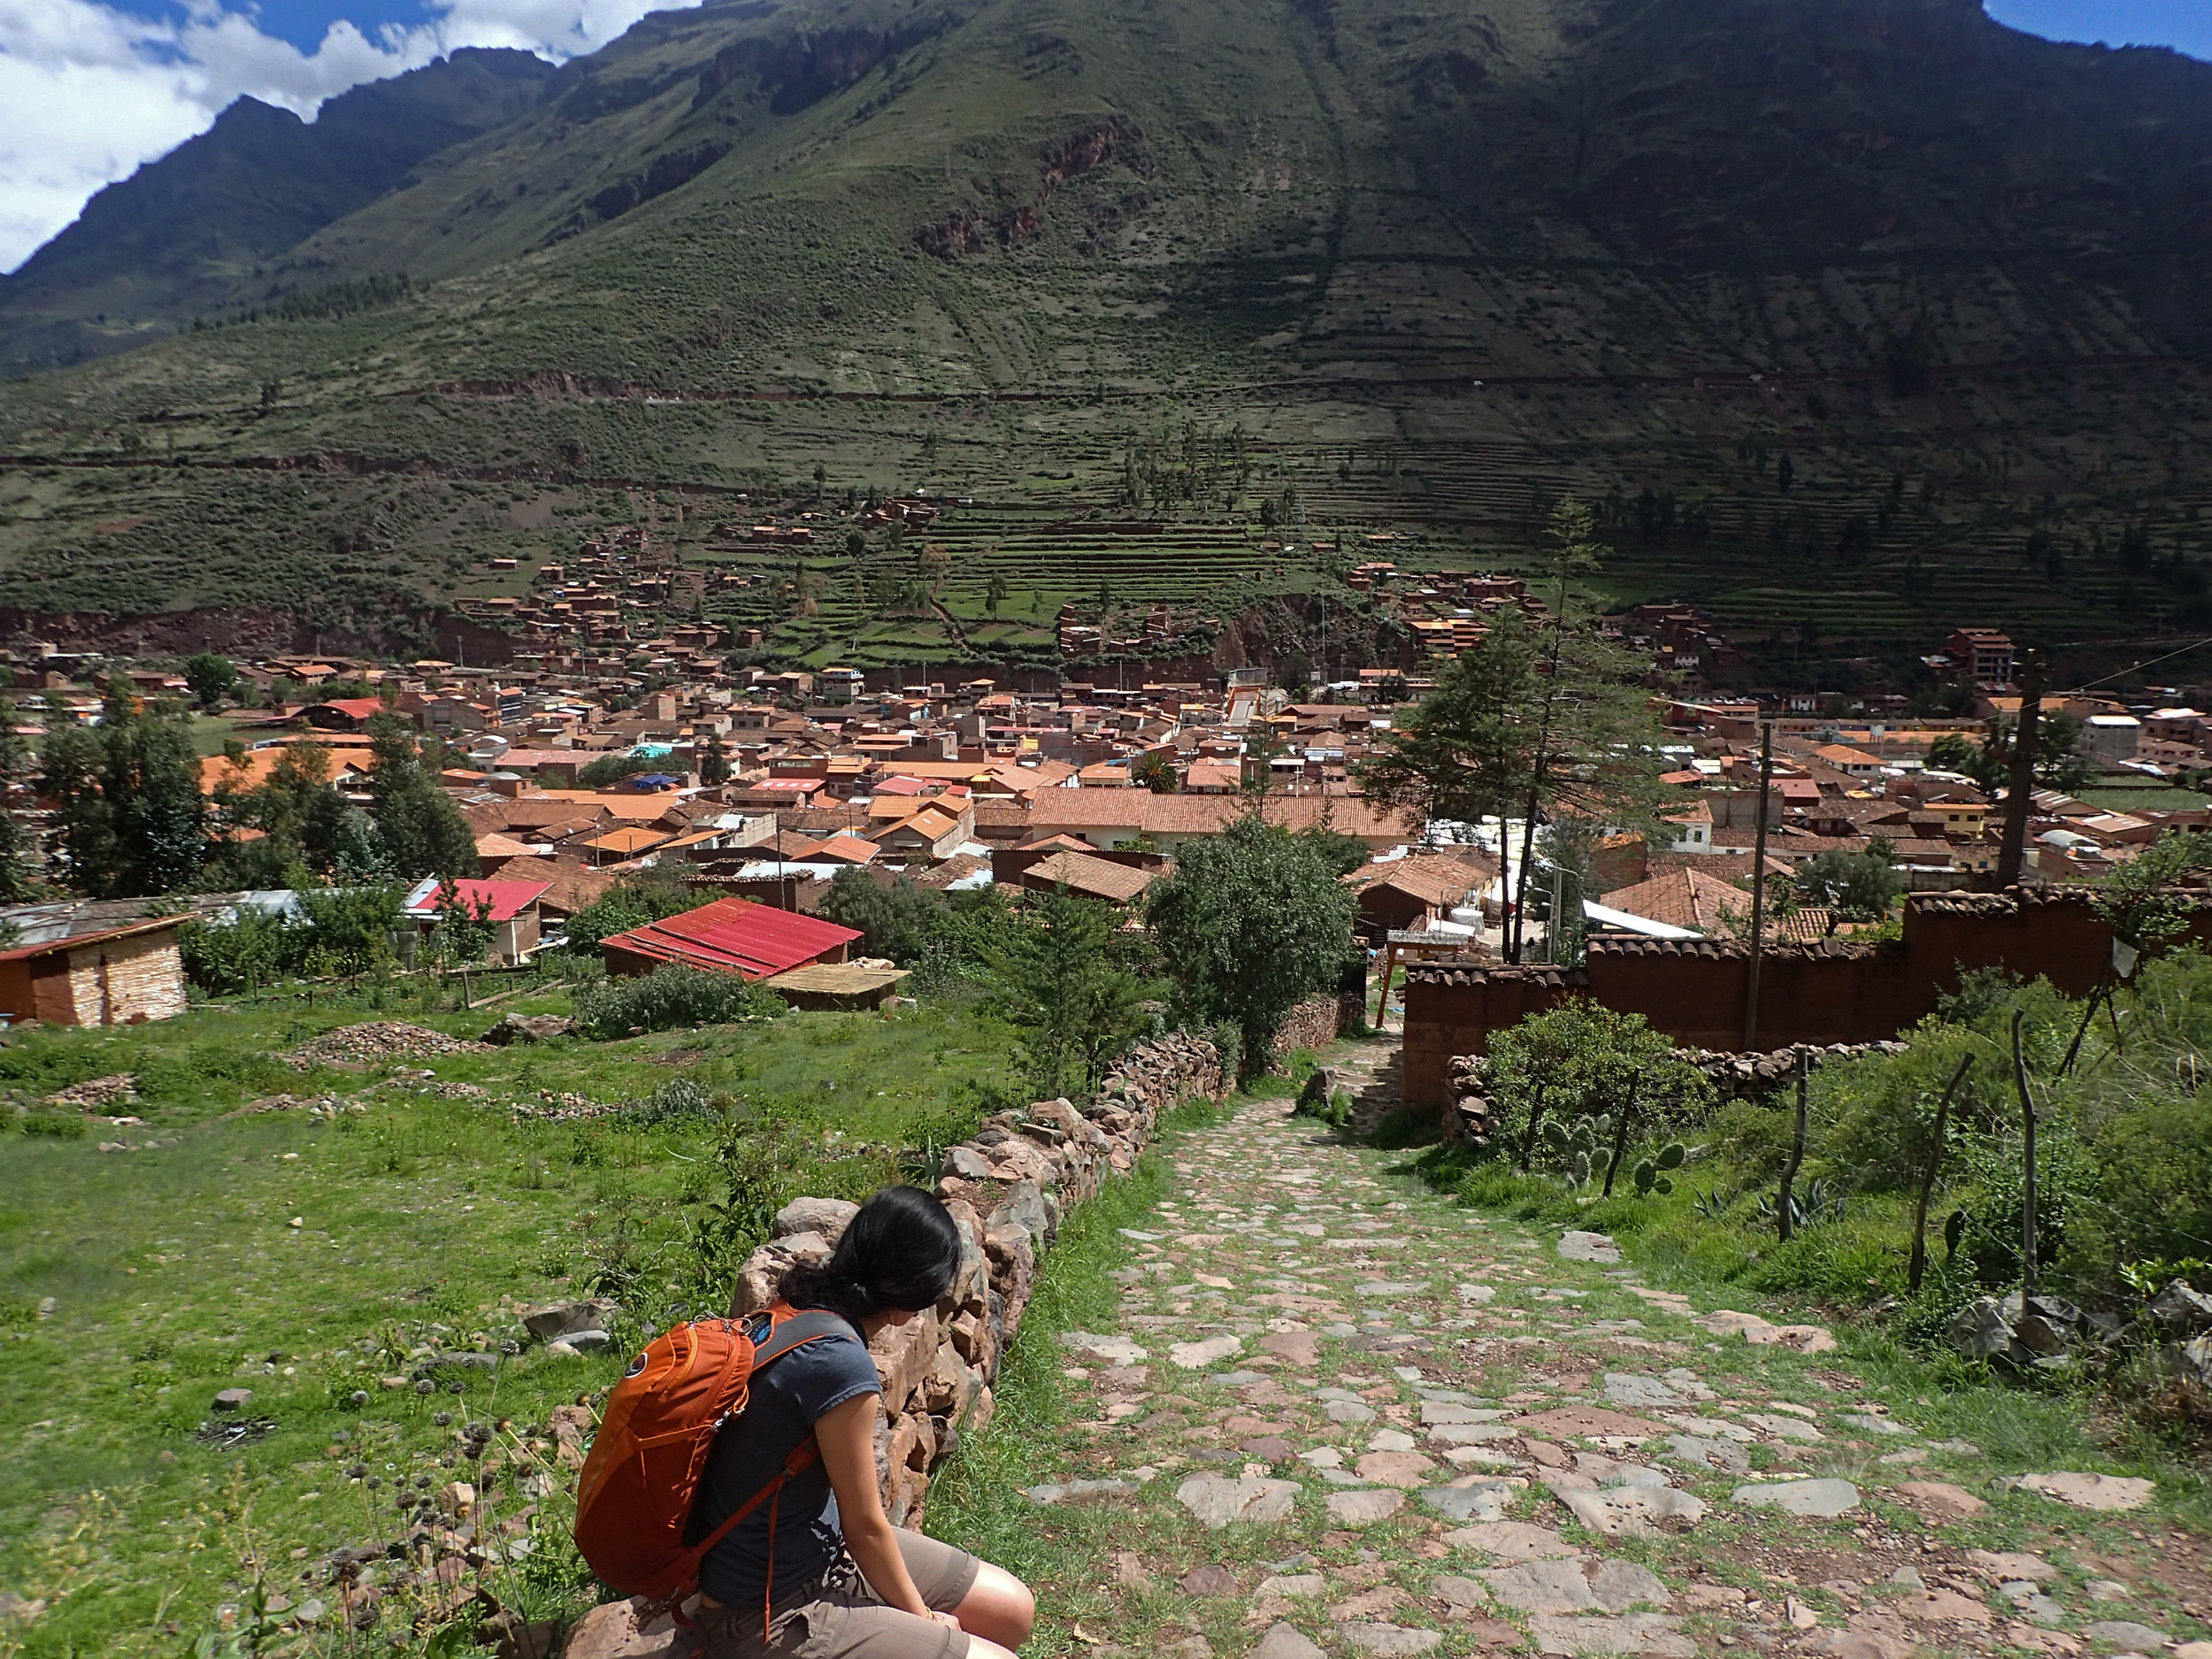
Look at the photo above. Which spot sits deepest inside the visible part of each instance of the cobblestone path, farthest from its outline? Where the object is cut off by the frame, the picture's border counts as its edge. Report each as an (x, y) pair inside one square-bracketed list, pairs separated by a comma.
[(1340, 1416)]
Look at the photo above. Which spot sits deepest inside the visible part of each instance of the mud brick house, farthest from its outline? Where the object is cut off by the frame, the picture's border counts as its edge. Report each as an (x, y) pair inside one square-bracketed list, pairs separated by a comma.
[(114, 975)]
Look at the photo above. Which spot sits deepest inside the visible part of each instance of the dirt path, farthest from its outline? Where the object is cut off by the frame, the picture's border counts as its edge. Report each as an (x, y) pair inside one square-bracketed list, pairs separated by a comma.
[(1340, 1415)]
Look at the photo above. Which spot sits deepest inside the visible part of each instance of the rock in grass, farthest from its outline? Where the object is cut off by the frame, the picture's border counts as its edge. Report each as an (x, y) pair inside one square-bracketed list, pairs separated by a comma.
[(1542, 1587), (2125, 1633), (1823, 1499), (1722, 1455), (1510, 1540), (1390, 1641), (1285, 1642), (1107, 1350), (1063, 1492), (1365, 1508), (1197, 1356), (558, 1319), (1578, 1246), (233, 1399), (1484, 1501), (1939, 1501), (1632, 1511), (1217, 1501), (2106, 1493), (1650, 1634)]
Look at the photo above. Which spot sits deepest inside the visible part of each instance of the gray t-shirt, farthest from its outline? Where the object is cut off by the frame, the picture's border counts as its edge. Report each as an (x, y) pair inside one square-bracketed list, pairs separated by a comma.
[(787, 1398)]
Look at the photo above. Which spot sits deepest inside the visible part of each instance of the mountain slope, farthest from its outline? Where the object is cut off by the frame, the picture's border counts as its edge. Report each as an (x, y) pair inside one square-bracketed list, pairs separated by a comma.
[(1438, 264), (187, 232)]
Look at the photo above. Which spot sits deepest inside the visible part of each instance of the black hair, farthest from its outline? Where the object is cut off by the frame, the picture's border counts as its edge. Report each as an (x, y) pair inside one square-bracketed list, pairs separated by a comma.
[(900, 1250)]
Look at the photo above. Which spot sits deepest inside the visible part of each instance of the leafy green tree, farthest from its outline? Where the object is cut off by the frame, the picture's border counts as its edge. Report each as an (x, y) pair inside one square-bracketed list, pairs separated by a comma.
[(1253, 920), (898, 921), (351, 927), (1852, 887), (420, 830), (304, 821), (211, 678), (465, 927), (1340, 852), (19, 881), (1531, 726), (132, 820), (2144, 899), (1574, 1081), (610, 769), (714, 762), (1057, 979), (1955, 751), (2058, 762), (635, 900)]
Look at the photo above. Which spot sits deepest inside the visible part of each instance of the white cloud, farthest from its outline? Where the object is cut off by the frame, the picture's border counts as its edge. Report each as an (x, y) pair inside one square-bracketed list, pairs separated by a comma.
[(89, 92)]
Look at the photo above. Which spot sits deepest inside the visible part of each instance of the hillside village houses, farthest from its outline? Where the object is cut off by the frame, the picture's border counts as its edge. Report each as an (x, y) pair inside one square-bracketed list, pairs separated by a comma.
[(956, 782)]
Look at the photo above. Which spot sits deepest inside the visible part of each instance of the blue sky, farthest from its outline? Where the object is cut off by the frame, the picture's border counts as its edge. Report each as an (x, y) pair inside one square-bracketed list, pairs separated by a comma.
[(91, 89), (2184, 25)]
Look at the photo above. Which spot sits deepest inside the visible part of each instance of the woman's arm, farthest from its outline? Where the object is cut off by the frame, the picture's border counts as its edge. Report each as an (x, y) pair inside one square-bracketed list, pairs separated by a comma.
[(847, 1437)]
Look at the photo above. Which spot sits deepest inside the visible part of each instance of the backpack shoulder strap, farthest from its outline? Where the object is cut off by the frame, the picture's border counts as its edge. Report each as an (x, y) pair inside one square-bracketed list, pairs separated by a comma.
[(793, 1332), (800, 1329)]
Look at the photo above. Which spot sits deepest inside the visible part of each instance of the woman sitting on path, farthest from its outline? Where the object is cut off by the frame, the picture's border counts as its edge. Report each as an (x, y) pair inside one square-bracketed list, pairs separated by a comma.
[(822, 1573)]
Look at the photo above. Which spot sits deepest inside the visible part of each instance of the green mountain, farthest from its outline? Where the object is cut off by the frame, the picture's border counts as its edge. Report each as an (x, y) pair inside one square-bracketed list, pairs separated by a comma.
[(193, 230), (1366, 265)]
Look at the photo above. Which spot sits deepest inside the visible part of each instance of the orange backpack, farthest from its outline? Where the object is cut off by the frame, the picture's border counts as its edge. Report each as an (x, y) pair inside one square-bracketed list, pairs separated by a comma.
[(633, 1500)]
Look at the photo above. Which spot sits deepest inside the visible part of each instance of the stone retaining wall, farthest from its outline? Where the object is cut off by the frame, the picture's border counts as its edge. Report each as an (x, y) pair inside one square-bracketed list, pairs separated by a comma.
[(1313, 1023), (1007, 1189)]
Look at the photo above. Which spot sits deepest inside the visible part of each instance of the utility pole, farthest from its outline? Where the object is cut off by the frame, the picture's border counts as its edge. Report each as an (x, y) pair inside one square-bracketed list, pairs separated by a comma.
[(1758, 890), (2014, 848)]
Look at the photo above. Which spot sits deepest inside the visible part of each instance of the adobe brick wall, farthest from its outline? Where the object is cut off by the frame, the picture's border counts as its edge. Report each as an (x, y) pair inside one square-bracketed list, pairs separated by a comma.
[(1452, 1008), (1852, 994), (1837, 992)]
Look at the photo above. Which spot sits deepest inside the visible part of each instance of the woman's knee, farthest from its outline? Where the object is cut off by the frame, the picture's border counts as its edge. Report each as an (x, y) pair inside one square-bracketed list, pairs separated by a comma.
[(998, 1608)]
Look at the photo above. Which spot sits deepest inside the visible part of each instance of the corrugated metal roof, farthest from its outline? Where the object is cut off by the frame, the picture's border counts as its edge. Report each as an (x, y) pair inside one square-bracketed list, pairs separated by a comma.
[(733, 936), (508, 899)]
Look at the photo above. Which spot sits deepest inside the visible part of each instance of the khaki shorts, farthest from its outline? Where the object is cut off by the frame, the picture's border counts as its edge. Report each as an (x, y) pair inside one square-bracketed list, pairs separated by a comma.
[(840, 1617)]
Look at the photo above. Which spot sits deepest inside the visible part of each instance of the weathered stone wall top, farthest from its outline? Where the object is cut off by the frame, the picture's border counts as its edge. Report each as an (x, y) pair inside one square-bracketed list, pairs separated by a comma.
[(1007, 1189)]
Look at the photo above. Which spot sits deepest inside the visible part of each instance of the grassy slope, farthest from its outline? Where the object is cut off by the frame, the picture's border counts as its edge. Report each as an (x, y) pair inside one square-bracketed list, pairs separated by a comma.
[(1317, 212), (174, 1273)]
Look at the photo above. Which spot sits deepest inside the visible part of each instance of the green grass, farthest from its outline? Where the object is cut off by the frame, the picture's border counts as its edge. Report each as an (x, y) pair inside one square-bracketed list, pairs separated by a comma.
[(174, 1271), (2127, 798)]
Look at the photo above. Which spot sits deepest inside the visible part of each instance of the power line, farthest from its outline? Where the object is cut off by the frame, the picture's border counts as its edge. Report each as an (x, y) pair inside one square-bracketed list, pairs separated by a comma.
[(2133, 667)]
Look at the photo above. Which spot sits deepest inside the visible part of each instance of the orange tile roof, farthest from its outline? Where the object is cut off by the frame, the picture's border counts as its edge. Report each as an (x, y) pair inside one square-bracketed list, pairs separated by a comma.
[(1685, 898)]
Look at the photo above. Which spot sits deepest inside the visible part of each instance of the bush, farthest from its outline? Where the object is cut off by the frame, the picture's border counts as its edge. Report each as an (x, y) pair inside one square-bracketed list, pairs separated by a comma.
[(668, 999), (676, 1099), (1579, 1064), (633, 902)]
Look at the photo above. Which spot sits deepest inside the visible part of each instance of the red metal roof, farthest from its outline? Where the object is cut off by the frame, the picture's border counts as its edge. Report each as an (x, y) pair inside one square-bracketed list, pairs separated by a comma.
[(735, 936), (509, 899)]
